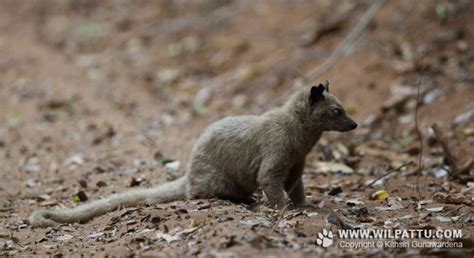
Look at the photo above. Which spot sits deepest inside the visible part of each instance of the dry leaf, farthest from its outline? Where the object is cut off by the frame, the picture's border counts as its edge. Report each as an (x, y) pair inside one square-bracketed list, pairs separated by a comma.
[(64, 237), (447, 219), (333, 167), (169, 238), (380, 195), (435, 209)]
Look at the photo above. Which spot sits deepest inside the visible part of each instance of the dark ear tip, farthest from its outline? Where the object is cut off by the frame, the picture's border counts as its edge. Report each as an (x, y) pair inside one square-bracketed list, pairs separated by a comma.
[(317, 89), (316, 93)]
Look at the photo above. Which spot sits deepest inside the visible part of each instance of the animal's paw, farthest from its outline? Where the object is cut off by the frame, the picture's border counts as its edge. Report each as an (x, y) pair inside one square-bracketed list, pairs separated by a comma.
[(324, 238), (300, 203)]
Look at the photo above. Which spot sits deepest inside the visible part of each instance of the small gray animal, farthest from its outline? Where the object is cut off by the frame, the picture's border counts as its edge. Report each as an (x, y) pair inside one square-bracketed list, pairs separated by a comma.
[(236, 155)]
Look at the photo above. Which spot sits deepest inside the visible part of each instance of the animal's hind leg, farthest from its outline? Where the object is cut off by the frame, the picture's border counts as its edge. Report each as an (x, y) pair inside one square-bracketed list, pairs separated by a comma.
[(211, 187)]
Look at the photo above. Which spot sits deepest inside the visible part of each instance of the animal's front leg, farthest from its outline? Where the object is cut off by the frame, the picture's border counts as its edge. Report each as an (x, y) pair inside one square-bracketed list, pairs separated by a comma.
[(294, 185), (297, 194), (275, 194), (271, 178)]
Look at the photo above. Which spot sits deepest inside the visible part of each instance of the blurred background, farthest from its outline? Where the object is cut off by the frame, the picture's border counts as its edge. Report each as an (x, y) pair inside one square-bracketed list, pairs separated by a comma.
[(208, 57), (97, 89)]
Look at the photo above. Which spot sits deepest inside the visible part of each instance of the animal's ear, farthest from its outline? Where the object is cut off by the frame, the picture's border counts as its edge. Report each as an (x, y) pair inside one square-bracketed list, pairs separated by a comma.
[(326, 85), (316, 94)]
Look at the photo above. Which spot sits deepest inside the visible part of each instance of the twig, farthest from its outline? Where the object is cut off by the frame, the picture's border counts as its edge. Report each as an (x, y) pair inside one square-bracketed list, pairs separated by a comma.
[(454, 173), (466, 167), (332, 24), (418, 132), (341, 49), (453, 211), (280, 217), (390, 171)]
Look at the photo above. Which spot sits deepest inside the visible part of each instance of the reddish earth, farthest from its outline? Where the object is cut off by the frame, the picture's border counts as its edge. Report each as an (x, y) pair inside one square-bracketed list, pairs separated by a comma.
[(94, 93)]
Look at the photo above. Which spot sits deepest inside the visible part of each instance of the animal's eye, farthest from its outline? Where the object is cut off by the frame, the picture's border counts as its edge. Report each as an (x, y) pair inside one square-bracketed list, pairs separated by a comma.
[(337, 112)]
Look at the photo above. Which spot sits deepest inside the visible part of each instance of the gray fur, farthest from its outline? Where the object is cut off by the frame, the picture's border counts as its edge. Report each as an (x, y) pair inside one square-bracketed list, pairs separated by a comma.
[(234, 156)]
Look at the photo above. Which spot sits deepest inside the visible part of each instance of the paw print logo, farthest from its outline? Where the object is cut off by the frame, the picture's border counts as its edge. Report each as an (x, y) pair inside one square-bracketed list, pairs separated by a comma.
[(324, 238)]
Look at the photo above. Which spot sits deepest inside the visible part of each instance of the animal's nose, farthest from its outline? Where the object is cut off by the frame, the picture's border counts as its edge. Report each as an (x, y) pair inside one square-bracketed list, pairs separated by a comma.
[(354, 125)]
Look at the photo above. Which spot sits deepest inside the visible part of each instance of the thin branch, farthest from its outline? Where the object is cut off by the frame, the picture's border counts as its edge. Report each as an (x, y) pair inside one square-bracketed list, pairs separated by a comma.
[(348, 40), (454, 173), (389, 172), (418, 132), (282, 213)]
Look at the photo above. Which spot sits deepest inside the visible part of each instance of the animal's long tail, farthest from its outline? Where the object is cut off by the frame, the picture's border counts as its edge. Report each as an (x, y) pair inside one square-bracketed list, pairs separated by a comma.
[(170, 191)]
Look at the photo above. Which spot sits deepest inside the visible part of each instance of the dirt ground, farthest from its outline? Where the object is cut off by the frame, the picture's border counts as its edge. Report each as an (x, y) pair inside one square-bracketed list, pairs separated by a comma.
[(98, 97)]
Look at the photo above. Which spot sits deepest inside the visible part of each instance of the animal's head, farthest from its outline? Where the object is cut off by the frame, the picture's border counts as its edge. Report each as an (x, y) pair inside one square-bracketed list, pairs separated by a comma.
[(324, 111)]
